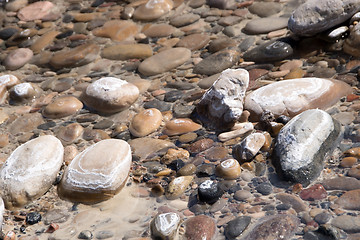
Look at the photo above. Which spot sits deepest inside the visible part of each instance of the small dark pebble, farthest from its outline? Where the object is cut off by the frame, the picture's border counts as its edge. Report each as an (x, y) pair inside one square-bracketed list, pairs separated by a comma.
[(103, 124), (86, 234), (33, 218), (235, 227), (264, 188), (67, 18), (64, 34), (160, 105), (172, 96), (47, 126), (205, 170), (7, 33), (283, 207), (322, 218), (176, 165), (97, 3)]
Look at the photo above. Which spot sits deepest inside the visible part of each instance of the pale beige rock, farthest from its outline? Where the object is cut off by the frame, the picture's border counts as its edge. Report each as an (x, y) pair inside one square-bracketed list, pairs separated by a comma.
[(153, 9), (291, 97), (62, 107), (68, 134), (97, 173), (143, 147), (249, 147), (110, 95), (241, 129), (30, 170), (180, 126), (178, 186), (44, 41), (229, 169), (36, 11), (145, 122), (127, 51), (17, 58), (70, 153), (117, 30)]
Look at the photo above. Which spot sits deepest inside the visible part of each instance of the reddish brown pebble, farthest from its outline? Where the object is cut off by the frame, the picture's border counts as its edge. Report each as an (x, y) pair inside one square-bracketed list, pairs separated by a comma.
[(348, 162), (312, 193), (351, 97), (297, 188), (201, 145)]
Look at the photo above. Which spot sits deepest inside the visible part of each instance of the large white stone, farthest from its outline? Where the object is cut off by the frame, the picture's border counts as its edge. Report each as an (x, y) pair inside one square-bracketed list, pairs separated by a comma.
[(97, 173), (291, 97), (30, 170)]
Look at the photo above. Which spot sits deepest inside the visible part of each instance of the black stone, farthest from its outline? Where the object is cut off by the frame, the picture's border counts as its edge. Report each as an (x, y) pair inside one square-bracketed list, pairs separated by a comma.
[(64, 34), (264, 188), (182, 110), (235, 227), (160, 105), (209, 191), (180, 85), (176, 165), (283, 206), (322, 218), (7, 33), (172, 96), (271, 51), (283, 119), (47, 126), (33, 218)]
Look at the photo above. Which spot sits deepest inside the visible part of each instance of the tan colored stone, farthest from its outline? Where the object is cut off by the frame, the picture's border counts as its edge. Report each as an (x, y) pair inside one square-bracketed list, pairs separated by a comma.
[(110, 95), (228, 169), (180, 126), (24, 91), (97, 173), (127, 51), (62, 107), (153, 9), (17, 58), (348, 162), (159, 30), (86, 17), (117, 30), (178, 186), (194, 41), (70, 153), (145, 122), (70, 133), (44, 41)]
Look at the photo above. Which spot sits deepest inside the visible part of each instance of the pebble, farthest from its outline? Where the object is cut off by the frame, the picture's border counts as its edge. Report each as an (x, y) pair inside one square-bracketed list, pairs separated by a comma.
[(347, 223), (164, 61), (62, 107), (152, 10), (315, 192), (117, 30), (348, 162), (222, 104), (159, 30), (68, 134), (145, 122), (209, 191), (165, 225), (241, 130), (200, 227), (301, 145), (228, 169), (143, 147), (265, 25), (89, 180), (264, 188), (110, 95), (180, 126), (237, 226), (43, 10), (249, 147), (341, 183), (194, 41), (21, 185), (177, 187), (292, 97), (296, 203), (265, 9), (33, 218), (24, 91), (127, 51), (349, 200), (242, 195), (201, 145), (184, 19), (17, 58)]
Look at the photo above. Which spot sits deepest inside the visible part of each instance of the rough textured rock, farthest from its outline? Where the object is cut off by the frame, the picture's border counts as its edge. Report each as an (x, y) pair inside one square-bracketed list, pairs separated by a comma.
[(97, 173), (315, 16), (222, 105), (30, 170), (291, 97), (249, 147), (165, 226), (280, 226), (110, 95), (200, 227), (302, 145)]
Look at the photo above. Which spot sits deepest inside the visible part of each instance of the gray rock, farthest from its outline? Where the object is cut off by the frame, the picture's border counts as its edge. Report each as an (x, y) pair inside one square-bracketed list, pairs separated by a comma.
[(296, 203), (315, 16), (265, 9), (302, 145), (347, 223), (235, 227), (265, 25), (341, 183), (222, 104)]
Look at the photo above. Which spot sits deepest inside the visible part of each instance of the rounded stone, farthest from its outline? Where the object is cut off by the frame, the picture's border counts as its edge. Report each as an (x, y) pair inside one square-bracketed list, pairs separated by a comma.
[(180, 126), (127, 51), (228, 169), (36, 11), (265, 25), (24, 91), (30, 170), (209, 191), (200, 227), (153, 9), (194, 41), (110, 95), (117, 30), (62, 107), (159, 30), (235, 227), (70, 133), (17, 58), (145, 122), (165, 225), (164, 61), (249, 147), (97, 173), (177, 187)]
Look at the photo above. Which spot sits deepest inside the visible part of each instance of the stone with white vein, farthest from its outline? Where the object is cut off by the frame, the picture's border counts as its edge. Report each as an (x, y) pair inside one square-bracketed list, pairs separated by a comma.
[(165, 226)]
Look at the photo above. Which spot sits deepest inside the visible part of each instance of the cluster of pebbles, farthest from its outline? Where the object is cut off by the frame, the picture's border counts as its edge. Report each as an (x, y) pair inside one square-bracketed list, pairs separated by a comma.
[(184, 119)]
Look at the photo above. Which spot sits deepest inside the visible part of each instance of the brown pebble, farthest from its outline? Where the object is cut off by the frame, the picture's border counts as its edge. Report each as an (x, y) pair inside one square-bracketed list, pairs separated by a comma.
[(228, 169), (180, 126), (201, 145), (62, 107), (4, 140), (348, 162), (353, 152), (187, 170)]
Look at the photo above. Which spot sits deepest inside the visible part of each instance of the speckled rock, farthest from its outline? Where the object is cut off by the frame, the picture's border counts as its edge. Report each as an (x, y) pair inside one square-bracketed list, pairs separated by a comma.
[(164, 61), (97, 173), (291, 97), (17, 58), (110, 95), (177, 187), (222, 105), (313, 16), (302, 145), (145, 122), (165, 226), (30, 170), (62, 107), (180, 126), (200, 227)]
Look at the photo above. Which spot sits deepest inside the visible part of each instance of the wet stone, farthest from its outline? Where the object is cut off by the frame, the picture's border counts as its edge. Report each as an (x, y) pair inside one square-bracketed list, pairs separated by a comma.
[(180, 126), (194, 41), (209, 191), (85, 234), (145, 122), (177, 187), (62, 107), (235, 227), (315, 192), (160, 105), (200, 145)]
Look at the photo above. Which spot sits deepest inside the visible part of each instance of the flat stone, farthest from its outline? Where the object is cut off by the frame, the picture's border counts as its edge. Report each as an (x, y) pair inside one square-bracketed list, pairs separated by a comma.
[(16, 5), (164, 61), (97, 173), (68, 134), (217, 62), (200, 227), (177, 187), (144, 147), (249, 147), (43, 10), (265, 9), (296, 203), (18, 58), (313, 16), (110, 95), (184, 19), (153, 9), (127, 51), (271, 51), (242, 195), (117, 30), (194, 41), (350, 200), (221, 43), (265, 25), (165, 225), (145, 122), (159, 30), (180, 126), (274, 227), (303, 144), (347, 223), (315, 192), (62, 107), (26, 123), (30, 170), (44, 41), (222, 105), (291, 97), (75, 57)]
